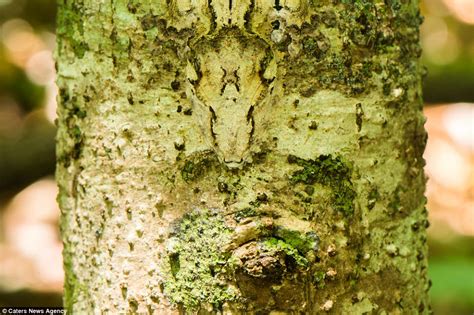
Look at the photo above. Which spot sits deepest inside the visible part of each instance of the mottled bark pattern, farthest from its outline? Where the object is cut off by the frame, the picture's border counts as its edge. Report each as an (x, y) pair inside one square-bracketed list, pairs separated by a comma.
[(241, 157)]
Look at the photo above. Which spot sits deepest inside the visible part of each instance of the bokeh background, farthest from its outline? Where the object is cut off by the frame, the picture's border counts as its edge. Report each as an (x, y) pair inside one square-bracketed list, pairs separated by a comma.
[(30, 249)]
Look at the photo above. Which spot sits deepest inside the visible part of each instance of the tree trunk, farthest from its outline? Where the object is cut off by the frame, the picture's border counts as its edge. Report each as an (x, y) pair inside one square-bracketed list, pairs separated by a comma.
[(241, 157)]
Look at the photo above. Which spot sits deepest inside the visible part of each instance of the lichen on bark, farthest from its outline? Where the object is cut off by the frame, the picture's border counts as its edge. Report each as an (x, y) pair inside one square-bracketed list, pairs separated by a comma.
[(196, 259)]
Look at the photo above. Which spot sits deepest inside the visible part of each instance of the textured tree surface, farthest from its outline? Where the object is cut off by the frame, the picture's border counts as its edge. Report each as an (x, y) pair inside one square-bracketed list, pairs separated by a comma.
[(241, 157)]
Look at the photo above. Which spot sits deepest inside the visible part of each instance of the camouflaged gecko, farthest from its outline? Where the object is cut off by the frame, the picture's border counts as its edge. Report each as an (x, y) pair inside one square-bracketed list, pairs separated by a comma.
[(230, 73)]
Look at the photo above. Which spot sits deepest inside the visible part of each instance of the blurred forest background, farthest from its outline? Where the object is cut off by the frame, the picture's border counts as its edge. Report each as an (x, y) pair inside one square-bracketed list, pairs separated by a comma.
[(30, 249)]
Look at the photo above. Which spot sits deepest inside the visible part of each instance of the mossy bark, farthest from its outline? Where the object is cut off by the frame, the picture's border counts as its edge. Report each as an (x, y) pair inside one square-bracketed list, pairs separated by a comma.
[(241, 157)]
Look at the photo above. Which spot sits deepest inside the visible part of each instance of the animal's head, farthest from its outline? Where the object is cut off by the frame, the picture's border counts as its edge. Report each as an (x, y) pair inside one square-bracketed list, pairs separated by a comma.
[(228, 82)]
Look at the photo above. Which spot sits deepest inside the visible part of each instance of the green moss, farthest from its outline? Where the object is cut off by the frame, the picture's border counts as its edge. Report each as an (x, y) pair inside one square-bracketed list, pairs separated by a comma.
[(76, 132), (343, 197), (244, 213), (73, 115), (395, 203), (302, 242), (318, 279), (331, 172), (174, 264), (189, 171), (121, 46), (70, 26), (316, 46), (278, 245), (72, 287), (323, 170), (262, 198), (347, 61), (197, 265), (69, 284), (196, 166), (372, 198)]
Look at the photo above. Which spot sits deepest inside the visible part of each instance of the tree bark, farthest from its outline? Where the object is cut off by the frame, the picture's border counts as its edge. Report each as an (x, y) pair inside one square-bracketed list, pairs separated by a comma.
[(241, 157)]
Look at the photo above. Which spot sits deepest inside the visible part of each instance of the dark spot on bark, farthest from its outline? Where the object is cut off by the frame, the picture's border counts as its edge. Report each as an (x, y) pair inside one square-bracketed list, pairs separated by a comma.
[(421, 307), (292, 159), (131, 8), (179, 146), (124, 290), (359, 114), (175, 85), (386, 89), (309, 190), (130, 98), (262, 197), (420, 256), (222, 187), (277, 5), (313, 125), (133, 305), (276, 25), (148, 22)]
